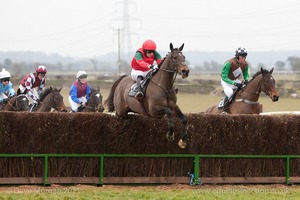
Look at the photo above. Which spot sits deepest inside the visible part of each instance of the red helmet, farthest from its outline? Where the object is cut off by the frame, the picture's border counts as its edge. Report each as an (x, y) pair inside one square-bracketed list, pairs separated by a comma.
[(41, 69), (149, 45)]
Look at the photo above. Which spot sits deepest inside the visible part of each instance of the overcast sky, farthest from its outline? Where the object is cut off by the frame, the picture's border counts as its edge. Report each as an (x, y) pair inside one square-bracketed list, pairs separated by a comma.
[(89, 27)]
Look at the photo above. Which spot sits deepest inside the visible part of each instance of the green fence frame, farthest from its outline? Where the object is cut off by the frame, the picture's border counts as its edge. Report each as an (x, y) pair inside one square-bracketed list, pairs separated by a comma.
[(197, 159)]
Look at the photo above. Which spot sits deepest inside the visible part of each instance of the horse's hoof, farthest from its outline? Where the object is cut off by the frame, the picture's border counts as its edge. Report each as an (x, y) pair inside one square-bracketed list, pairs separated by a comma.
[(170, 137), (181, 144)]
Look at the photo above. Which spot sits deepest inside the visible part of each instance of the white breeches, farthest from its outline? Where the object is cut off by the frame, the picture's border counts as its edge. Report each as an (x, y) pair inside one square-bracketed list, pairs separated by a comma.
[(136, 73), (228, 88), (75, 105)]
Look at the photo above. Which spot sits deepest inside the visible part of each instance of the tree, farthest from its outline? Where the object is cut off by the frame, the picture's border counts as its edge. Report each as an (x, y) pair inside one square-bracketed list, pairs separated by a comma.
[(294, 62), (280, 65)]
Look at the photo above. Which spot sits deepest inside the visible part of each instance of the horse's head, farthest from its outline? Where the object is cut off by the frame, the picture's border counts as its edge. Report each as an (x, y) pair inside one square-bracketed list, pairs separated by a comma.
[(178, 61), (56, 101), (95, 101), (21, 103), (268, 84)]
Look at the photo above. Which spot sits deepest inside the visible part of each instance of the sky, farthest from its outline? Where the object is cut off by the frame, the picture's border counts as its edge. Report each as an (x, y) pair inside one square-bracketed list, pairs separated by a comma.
[(89, 28)]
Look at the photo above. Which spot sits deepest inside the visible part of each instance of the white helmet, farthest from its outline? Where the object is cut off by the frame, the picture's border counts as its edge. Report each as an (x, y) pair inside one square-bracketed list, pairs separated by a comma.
[(4, 74), (81, 74)]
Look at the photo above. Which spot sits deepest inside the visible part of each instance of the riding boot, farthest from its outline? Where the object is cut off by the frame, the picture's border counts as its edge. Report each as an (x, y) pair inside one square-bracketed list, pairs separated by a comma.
[(225, 105), (139, 94)]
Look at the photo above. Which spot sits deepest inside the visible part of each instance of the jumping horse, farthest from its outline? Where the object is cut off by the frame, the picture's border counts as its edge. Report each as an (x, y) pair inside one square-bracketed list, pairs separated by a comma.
[(50, 99), (94, 104), (245, 100), (17, 103), (160, 96)]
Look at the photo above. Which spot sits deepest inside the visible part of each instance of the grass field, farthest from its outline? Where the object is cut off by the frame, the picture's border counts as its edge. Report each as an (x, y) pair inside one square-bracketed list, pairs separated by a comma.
[(195, 103), (207, 192)]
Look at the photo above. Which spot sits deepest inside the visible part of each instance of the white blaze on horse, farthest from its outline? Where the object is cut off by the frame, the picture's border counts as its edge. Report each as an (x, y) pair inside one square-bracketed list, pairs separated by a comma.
[(160, 97)]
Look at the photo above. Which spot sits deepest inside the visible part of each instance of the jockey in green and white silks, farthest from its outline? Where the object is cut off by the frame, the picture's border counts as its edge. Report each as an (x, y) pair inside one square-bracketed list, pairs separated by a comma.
[(232, 70)]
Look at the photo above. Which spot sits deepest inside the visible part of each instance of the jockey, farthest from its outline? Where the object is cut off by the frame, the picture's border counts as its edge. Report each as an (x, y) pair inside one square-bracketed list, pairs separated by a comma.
[(80, 91), (5, 86), (145, 59), (32, 81), (232, 69)]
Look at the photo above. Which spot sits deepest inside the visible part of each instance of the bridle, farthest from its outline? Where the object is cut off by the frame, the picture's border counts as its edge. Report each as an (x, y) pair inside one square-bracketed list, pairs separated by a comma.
[(54, 105), (175, 64), (266, 91)]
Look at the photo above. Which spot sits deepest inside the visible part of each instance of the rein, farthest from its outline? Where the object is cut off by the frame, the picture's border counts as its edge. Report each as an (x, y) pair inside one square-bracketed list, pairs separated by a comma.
[(168, 71), (256, 92)]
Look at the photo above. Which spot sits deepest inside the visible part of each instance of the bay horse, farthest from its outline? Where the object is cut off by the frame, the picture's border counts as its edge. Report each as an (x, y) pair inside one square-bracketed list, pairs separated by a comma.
[(17, 103), (94, 104), (50, 99), (160, 97), (245, 101)]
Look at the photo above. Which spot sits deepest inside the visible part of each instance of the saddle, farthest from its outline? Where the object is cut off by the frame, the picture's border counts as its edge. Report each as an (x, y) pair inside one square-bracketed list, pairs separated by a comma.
[(231, 99), (144, 83)]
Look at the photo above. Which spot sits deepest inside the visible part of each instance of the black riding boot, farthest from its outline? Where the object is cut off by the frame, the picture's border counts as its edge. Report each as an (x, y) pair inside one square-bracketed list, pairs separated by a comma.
[(225, 105), (139, 94)]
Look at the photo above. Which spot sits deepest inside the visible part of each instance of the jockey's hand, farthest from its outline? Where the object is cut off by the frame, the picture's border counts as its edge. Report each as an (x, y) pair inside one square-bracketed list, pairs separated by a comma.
[(154, 67), (82, 104), (12, 96), (246, 82), (238, 85), (5, 100)]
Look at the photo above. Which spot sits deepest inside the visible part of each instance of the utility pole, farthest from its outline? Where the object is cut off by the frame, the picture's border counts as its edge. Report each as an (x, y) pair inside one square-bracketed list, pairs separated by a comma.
[(119, 49)]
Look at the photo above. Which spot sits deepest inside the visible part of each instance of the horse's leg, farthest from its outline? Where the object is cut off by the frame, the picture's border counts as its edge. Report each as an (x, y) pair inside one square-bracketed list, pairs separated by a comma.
[(170, 133), (182, 141)]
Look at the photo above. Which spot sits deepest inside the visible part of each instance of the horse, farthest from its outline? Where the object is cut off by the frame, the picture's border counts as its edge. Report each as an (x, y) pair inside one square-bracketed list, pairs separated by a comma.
[(245, 100), (50, 99), (160, 96), (17, 103), (94, 104)]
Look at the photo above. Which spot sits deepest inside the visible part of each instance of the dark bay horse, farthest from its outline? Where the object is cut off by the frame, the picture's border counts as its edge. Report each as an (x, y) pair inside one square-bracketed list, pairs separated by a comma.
[(50, 99), (94, 104), (17, 103), (245, 101), (160, 97)]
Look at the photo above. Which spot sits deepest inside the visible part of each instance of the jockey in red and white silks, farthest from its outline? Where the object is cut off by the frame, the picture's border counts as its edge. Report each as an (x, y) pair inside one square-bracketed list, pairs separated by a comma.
[(32, 81)]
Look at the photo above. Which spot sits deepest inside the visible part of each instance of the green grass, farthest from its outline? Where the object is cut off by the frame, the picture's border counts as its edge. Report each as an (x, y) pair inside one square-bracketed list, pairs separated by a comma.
[(195, 103), (179, 192)]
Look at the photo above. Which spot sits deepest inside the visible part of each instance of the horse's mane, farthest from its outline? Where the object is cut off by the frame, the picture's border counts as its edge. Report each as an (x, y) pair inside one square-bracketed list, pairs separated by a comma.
[(258, 73), (165, 58), (45, 92)]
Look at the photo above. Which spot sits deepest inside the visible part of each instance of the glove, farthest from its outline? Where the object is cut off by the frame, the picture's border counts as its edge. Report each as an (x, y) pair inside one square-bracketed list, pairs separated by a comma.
[(154, 67), (82, 104), (5, 100), (12, 96), (238, 85), (38, 101), (246, 82)]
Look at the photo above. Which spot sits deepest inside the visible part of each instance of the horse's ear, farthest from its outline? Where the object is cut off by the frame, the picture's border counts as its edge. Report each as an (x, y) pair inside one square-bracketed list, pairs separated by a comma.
[(271, 71), (262, 71), (60, 89), (98, 88), (51, 88), (180, 48), (171, 46)]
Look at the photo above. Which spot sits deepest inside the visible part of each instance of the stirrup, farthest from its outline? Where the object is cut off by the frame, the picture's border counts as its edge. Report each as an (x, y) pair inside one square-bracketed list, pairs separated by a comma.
[(139, 95)]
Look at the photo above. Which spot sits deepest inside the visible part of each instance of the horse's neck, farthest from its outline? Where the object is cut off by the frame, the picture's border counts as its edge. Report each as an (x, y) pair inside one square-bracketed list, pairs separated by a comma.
[(46, 104), (164, 77), (252, 91)]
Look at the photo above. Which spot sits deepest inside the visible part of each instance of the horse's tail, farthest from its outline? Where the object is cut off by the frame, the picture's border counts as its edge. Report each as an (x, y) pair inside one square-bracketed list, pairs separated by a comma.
[(109, 102)]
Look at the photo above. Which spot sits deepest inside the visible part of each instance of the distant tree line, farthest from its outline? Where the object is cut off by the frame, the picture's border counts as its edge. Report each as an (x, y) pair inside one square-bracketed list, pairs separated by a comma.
[(21, 68)]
